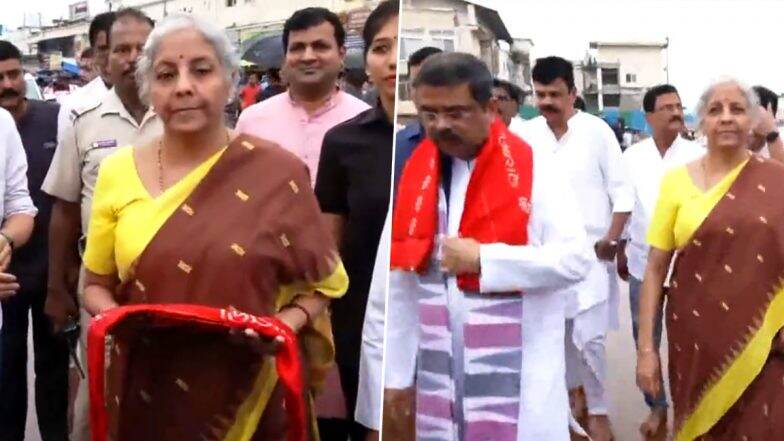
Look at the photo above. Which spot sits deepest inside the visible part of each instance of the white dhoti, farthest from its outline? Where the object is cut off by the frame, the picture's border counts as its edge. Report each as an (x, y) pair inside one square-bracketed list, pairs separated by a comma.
[(586, 358), (593, 312)]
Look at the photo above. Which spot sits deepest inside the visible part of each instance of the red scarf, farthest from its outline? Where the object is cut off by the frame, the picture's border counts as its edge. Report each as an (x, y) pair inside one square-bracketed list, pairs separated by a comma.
[(497, 203), (287, 357)]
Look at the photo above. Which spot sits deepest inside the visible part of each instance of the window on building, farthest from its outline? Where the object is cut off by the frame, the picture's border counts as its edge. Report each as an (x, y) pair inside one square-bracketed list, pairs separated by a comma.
[(609, 77), (230, 3), (631, 78), (611, 100), (414, 39)]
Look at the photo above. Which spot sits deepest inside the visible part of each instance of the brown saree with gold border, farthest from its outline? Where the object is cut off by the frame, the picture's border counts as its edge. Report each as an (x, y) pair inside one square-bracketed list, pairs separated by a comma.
[(249, 237), (725, 306)]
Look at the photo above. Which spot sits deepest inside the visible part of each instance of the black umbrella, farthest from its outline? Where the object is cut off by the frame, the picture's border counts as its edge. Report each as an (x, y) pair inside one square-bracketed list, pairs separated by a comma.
[(265, 51)]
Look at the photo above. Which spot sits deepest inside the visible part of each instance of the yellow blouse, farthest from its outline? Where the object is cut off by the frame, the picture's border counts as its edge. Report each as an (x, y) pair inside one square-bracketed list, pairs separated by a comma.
[(125, 217), (682, 207)]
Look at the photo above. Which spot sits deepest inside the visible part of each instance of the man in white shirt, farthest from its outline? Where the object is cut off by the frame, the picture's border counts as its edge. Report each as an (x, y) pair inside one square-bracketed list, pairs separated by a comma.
[(646, 163), (589, 158), (92, 92), (16, 206), (478, 329)]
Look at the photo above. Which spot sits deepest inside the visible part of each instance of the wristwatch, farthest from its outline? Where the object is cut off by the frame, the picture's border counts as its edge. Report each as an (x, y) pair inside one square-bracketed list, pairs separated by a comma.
[(771, 137), (9, 240)]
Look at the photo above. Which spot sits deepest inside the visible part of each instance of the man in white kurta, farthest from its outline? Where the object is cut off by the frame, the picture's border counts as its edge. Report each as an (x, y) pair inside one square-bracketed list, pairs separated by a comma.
[(555, 256), (646, 163), (588, 158)]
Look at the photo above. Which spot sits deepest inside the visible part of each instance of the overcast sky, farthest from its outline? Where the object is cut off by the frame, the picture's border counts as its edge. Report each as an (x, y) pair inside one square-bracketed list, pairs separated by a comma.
[(708, 38), (13, 11)]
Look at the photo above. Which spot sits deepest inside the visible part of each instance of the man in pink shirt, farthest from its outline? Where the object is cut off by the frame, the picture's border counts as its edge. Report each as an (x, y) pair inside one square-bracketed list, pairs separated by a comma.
[(313, 40)]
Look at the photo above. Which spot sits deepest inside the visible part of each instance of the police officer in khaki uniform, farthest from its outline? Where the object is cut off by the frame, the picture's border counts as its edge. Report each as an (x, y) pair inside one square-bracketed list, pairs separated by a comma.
[(119, 119)]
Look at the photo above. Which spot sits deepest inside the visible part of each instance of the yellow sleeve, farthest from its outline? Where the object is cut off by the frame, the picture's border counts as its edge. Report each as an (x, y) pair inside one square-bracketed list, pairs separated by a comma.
[(661, 232), (99, 255), (334, 285)]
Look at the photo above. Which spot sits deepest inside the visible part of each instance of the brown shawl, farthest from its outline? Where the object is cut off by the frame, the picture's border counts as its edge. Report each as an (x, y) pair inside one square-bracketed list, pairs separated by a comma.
[(251, 226), (723, 309)]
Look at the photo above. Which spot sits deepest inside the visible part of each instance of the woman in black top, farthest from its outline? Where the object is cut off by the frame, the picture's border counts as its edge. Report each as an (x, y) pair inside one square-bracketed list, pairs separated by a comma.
[(353, 186)]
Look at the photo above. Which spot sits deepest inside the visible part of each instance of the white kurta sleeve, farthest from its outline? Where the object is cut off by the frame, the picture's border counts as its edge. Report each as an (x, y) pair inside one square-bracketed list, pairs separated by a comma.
[(616, 179), (16, 199), (402, 334), (558, 253), (368, 408)]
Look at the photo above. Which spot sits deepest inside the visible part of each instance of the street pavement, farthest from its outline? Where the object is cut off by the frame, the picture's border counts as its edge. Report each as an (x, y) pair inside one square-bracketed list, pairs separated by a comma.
[(627, 408)]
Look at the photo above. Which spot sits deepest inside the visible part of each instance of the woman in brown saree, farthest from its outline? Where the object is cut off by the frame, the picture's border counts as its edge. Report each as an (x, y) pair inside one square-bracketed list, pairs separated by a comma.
[(206, 217), (721, 217)]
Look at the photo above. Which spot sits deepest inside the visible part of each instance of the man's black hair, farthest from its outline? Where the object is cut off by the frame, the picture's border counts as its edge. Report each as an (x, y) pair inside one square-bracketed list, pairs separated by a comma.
[(134, 13), (101, 23), (515, 92), (384, 12), (548, 69), (449, 69), (9, 52), (649, 100), (130, 13), (419, 57), (311, 17), (767, 98)]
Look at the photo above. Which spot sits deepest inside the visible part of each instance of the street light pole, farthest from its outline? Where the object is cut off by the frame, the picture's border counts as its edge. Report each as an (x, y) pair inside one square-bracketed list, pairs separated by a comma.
[(667, 62)]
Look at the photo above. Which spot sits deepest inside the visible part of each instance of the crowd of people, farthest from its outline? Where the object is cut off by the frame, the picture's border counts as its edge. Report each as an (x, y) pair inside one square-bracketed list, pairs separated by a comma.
[(135, 191), (476, 255), (509, 238)]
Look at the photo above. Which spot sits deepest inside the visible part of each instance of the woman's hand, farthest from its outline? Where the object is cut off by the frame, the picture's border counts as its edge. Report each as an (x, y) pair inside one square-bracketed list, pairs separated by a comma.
[(292, 317), (8, 286), (260, 345), (649, 372), (399, 408)]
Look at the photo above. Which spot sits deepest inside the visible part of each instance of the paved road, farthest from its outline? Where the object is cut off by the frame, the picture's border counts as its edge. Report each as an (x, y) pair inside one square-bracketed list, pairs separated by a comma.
[(627, 408)]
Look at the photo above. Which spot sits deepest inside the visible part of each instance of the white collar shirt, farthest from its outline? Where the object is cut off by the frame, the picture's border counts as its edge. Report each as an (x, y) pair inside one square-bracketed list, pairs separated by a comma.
[(646, 168), (589, 157)]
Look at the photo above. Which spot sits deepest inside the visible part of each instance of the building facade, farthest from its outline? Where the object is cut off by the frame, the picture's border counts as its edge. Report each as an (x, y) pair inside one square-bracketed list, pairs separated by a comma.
[(460, 26), (617, 74)]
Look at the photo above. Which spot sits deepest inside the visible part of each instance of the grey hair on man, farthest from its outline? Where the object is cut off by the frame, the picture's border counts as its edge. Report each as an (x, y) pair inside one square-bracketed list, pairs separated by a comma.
[(751, 97), (215, 36)]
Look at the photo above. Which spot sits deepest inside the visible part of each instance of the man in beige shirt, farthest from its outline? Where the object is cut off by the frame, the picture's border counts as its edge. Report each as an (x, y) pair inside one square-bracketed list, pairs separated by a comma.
[(119, 119)]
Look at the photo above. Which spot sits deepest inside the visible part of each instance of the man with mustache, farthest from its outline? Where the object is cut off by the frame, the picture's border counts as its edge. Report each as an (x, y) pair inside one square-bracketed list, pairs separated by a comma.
[(36, 122), (589, 157), (484, 238), (314, 46), (118, 119), (646, 163)]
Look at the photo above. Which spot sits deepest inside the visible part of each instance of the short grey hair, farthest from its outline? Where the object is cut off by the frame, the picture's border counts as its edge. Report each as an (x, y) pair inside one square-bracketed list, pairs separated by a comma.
[(215, 36), (751, 97)]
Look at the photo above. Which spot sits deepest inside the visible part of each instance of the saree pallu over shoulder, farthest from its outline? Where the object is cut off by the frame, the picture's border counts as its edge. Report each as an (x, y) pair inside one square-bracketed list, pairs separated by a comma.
[(724, 307), (249, 237)]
